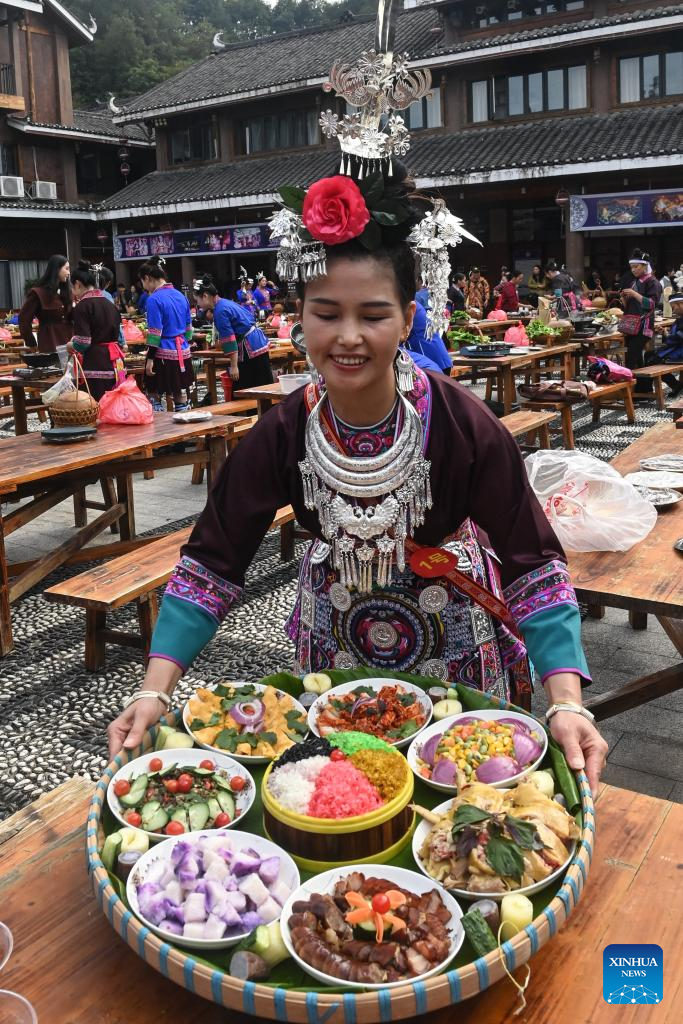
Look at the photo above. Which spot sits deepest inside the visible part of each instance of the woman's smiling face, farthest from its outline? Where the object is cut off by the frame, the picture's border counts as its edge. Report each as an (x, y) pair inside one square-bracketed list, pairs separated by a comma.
[(353, 322)]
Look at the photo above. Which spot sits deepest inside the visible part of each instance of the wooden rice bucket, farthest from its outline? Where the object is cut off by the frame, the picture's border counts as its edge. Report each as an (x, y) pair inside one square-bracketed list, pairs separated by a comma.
[(281, 1004)]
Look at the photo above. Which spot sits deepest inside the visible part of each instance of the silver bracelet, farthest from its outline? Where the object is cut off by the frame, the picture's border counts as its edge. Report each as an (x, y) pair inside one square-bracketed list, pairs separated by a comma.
[(575, 709), (140, 694)]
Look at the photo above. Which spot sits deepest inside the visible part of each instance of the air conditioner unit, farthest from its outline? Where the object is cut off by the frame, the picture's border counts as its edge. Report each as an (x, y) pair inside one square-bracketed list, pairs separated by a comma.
[(11, 187), (44, 190)]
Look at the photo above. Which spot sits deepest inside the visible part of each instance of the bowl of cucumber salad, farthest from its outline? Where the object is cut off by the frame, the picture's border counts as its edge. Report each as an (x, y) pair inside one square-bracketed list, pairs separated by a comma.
[(169, 792)]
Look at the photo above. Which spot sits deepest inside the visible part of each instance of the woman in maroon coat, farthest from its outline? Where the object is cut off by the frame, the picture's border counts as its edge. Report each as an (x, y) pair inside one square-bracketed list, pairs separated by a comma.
[(50, 302), (509, 297)]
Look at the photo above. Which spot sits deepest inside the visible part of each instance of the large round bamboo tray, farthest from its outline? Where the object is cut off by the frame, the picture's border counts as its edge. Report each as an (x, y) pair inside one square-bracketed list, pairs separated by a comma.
[(271, 1003)]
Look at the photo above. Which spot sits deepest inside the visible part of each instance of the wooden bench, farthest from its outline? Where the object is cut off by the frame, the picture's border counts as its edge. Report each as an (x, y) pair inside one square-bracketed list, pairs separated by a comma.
[(655, 374), (136, 576), (605, 393), (676, 409), (530, 423)]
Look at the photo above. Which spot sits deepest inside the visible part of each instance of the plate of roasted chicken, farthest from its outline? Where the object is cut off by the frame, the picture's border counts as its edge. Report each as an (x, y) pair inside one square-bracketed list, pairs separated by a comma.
[(488, 842), (371, 926)]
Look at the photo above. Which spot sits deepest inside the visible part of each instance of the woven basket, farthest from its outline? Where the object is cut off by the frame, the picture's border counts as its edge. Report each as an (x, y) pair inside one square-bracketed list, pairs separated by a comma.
[(270, 1003), (76, 408)]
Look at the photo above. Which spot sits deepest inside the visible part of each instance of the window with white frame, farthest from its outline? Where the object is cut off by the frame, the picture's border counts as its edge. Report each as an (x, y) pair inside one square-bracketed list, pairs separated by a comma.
[(650, 76), (500, 97)]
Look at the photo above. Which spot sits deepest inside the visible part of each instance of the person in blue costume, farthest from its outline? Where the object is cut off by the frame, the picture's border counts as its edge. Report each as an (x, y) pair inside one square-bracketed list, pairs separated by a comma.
[(238, 335), (168, 370), (422, 297), (141, 302), (672, 349), (245, 295), (262, 296), (429, 353)]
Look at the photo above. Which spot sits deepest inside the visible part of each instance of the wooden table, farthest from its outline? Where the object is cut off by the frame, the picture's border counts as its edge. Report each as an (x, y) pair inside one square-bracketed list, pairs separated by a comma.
[(648, 579), (507, 366), (20, 385), (49, 474), (214, 358), (264, 395), (75, 969)]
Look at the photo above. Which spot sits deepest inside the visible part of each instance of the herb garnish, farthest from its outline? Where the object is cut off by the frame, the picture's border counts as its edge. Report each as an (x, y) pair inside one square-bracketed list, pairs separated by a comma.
[(507, 837)]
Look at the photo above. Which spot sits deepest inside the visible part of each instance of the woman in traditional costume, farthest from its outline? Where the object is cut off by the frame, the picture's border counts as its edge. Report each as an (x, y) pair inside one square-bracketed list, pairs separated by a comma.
[(168, 370), (639, 299), (245, 295), (50, 302), (262, 296), (431, 553), (96, 327), (238, 336)]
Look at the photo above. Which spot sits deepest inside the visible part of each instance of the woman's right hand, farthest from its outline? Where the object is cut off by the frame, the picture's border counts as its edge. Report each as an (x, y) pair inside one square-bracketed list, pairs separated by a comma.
[(128, 729), (149, 368)]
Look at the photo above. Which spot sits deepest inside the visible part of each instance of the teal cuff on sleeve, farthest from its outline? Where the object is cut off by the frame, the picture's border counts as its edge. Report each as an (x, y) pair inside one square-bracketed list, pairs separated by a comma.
[(229, 346), (181, 632), (80, 346), (553, 641)]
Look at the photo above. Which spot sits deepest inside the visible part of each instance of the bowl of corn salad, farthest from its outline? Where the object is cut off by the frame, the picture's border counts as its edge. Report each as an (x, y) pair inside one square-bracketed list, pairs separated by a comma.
[(480, 745)]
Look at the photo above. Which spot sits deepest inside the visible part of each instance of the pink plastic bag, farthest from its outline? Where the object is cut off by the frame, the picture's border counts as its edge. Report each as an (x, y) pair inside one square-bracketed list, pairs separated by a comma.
[(497, 314), (516, 335), (125, 405), (284, 330), (617, 373), (132, 332), (5, 335)]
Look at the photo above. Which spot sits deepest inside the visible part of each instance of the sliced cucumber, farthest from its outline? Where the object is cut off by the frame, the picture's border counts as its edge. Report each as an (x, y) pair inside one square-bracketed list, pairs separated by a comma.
[(154, 817), (227, 802), (196, 770), (214, 807), (111, 850), (136, 793), (167, 770), (199, 815), (180, 814), (222, 783)]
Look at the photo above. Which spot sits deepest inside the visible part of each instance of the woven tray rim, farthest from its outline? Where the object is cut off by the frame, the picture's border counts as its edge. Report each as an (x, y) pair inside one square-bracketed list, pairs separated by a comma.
[(411, 999)]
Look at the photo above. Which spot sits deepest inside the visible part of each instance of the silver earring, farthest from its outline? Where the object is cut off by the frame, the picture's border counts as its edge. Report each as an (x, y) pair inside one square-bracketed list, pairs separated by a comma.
[(404, 372), (296, 336)]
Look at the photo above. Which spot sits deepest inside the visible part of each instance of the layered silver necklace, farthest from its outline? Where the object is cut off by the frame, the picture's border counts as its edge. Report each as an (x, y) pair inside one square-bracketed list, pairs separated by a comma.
[(391, 492)]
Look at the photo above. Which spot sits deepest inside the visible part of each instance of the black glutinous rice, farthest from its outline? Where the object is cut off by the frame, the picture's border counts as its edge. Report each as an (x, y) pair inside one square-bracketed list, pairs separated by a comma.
[(312, 746)]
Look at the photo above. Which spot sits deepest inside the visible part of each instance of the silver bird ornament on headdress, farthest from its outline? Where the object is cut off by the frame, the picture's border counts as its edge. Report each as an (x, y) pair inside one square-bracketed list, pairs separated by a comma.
[(370, 138)]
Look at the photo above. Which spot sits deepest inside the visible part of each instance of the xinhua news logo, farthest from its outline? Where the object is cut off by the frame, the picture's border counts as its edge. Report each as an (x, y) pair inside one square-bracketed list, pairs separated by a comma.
[(633, 973)]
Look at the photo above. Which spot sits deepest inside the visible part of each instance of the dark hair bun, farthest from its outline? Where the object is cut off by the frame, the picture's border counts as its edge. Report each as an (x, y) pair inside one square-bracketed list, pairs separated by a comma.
[(83, 265)]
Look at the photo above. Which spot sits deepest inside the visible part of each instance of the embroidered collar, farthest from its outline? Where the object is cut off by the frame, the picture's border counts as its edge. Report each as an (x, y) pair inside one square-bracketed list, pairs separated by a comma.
[(92, 293)]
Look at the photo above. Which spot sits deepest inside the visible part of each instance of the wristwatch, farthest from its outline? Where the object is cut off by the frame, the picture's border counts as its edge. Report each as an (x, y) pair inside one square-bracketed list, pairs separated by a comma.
[(576, 709)]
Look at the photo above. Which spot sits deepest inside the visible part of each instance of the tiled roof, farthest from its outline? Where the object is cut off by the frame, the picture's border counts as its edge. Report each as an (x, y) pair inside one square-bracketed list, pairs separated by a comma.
[(86, 122), (99, 122), (46, 205), (278, 60), (561, 28), (626, 134)]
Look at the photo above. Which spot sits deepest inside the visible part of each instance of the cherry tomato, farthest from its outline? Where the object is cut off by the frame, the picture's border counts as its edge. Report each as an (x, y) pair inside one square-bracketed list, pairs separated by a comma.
[(237, 783), (337, 755), (171, 785), (156, 764), (134, 819), (380, 903), (221, 820), (209, 765), (185, 783), (174, 828), (122, 787)]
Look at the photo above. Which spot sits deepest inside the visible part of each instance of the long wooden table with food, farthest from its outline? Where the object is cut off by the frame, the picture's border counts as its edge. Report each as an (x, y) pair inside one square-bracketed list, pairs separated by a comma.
[(329, 862)]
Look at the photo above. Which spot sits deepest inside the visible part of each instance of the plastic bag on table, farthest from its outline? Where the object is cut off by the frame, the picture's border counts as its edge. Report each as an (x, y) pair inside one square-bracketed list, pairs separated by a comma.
[(125, 404), (516, 335), (61, 387), (588, 503), (131, 332)]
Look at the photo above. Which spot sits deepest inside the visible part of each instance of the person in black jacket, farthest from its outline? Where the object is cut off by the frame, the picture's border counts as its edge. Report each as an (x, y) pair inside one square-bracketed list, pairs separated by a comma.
[(639, 299), (672, 349)]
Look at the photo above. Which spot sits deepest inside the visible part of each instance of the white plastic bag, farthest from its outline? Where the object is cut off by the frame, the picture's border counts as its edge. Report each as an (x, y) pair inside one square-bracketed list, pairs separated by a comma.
[(64, 384), (588, 503)]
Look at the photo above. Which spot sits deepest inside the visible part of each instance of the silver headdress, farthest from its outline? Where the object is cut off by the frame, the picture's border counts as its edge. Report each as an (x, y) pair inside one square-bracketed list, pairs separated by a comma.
[(370, 137)]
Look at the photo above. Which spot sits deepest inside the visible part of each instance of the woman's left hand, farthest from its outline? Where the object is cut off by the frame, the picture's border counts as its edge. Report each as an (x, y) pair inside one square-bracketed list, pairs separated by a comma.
[(583, 745), (70, 347)]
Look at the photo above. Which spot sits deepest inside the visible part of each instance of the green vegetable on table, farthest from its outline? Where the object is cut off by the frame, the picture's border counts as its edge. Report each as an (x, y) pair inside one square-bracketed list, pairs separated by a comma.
[(481, 938), (537, 329), (460, 337)]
